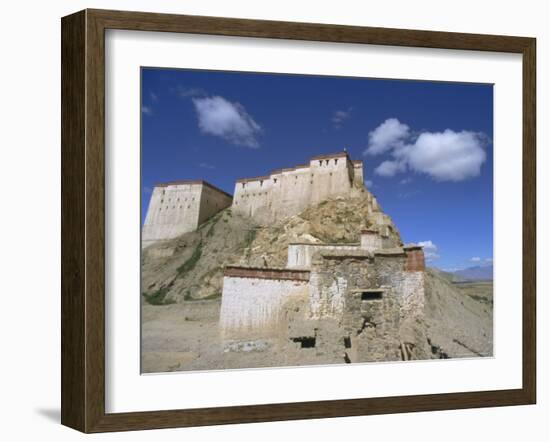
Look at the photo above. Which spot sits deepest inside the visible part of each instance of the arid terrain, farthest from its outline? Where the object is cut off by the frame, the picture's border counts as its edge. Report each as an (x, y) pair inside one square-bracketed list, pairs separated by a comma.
[(182, 285), (184, 336)]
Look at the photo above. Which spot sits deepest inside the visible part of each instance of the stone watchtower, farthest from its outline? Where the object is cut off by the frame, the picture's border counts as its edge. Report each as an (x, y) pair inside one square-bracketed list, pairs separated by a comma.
[(179, 207)]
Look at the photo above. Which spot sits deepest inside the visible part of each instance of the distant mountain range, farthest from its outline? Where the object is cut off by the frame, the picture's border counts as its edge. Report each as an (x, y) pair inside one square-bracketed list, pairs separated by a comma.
[(477, 273)]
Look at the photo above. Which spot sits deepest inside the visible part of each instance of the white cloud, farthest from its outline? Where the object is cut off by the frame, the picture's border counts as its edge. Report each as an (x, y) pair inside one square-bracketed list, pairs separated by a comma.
[(147, 110), (390, 168), (369, 183), (430, 250), (475, 259), (444, 156), (448, 155), (227, 120), (389, 135), (489, 260), (340, 116), (154, 97), (407, 180)]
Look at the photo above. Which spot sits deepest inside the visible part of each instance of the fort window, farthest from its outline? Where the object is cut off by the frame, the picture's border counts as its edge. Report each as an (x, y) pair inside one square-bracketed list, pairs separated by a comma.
[(243, 185), (305, 341), (335, 160), (261, 183), (275, 180), (371, 295), (326, 162)]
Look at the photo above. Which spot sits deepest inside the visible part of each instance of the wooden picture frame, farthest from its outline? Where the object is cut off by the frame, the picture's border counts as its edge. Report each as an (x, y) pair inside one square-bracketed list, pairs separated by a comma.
[(83, 220)]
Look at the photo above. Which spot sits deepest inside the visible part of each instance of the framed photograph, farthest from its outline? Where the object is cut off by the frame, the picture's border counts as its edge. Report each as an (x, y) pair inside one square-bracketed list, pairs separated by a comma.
[(269, 220)]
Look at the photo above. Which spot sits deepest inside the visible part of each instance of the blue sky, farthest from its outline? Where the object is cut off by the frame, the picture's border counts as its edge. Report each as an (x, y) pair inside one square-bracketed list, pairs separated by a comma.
[(427, 146)]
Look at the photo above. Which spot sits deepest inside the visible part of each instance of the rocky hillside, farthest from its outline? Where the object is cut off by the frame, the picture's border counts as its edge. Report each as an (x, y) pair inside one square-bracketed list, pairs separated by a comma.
[(191, 267)]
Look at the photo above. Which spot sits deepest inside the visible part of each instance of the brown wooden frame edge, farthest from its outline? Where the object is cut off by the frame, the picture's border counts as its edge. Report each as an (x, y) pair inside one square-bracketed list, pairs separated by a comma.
[(83, 218)]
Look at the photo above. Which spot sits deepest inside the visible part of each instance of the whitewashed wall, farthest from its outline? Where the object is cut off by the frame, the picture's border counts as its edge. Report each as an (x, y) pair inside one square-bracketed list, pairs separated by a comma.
[(254, 303)]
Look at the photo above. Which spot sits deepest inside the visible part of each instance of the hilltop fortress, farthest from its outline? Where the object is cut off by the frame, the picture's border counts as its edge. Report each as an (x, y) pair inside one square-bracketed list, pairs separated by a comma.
[(299, 267), (332, 301), (179, 207), (287, 192)]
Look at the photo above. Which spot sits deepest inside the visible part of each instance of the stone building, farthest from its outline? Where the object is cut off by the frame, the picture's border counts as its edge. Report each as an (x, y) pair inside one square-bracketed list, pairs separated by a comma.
[(344, 301), (287, 192), (179, 207)]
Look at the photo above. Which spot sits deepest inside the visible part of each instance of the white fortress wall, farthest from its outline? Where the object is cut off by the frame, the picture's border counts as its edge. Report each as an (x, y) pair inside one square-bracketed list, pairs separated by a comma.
[(173, 210), (253, 298), (287, 192), (331, 176), (179, 207)]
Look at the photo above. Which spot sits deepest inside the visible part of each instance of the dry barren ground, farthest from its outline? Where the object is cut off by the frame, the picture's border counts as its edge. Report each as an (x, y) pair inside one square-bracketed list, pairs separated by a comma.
[(184, 336)]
